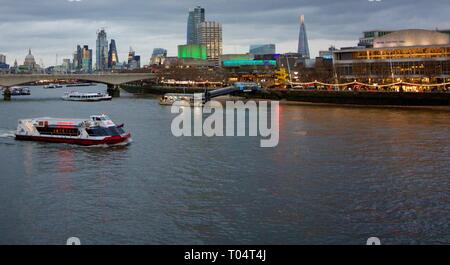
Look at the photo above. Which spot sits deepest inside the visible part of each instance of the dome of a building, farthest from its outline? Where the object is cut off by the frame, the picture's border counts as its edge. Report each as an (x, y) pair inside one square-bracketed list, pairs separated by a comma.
[(411, 37), (29, 59)]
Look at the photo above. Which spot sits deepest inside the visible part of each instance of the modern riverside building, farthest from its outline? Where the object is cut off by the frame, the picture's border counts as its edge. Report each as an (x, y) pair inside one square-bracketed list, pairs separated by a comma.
[(102, 51), (113, 57), (86, 60), (414, 55), (192, 51), (303, 46), (369, 36), (2, 58), (260, 49), (328, 54), (196, 16), (210, 35)]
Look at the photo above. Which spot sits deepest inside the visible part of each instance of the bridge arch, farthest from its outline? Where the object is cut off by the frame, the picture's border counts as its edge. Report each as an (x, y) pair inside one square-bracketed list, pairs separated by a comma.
[(108, 79)]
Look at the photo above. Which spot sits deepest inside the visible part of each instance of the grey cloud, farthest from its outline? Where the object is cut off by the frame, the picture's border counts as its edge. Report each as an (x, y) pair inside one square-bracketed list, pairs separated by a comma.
[(57, 26)]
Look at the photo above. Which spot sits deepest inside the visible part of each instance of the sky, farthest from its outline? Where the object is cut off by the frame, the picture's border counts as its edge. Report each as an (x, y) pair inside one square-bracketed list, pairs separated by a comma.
[(53, 28)]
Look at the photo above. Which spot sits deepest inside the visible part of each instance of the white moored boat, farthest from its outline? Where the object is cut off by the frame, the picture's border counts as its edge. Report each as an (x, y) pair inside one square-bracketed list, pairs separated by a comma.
[(52, 86), (77, 96), (97, 130)]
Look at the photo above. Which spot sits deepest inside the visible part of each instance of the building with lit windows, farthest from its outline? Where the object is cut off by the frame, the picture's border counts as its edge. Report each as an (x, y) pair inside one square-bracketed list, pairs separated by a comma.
[(210, 35), (113, 57), (370, 36), (415, 55)]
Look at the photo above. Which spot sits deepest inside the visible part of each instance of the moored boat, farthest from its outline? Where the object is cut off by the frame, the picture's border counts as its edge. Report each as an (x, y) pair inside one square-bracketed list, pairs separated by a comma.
[(52, 86), (89, 97), (80, 84), (188, 100), (97, 130), (19, 91)]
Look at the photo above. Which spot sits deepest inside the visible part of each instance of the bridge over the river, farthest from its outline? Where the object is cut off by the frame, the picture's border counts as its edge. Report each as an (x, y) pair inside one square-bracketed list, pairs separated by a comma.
[(113, 80)]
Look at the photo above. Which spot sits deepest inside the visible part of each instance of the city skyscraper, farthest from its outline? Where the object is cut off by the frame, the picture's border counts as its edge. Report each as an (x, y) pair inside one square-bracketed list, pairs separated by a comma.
[(158, 56), (113, 58), (303, 47), (3, 65), (134, 61), (86, 65), (2, 58), (78, 59), (210, 35), (102, 51), (196, 16)]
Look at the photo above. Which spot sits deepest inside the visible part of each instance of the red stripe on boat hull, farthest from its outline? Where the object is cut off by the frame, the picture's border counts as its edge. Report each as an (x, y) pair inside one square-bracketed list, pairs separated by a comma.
[(107, 140)]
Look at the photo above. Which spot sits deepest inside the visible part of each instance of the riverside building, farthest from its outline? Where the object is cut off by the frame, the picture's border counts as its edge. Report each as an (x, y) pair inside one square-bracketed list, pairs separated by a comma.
[(413, 55), (210, 35)]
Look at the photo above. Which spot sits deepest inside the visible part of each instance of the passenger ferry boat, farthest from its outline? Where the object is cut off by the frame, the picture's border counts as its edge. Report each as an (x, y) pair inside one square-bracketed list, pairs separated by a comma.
[(97, 130), (77, 96)]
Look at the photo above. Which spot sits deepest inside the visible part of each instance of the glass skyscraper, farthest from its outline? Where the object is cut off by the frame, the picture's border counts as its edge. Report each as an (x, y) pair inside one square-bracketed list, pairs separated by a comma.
[(113, 57), (102, 51), (195, 17), (134, 61), (303, 47), (86, 65), (158, 56)]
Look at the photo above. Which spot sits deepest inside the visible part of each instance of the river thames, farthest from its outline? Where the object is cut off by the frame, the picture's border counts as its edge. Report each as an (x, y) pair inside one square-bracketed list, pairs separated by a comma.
[(338, 176)]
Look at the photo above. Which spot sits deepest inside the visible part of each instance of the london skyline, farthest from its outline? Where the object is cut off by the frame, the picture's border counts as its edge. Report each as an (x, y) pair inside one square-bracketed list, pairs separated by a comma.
[(51, 27)]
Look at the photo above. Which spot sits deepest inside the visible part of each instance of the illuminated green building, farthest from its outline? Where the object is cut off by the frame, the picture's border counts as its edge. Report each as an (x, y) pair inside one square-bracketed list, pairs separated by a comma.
[(192, 51)]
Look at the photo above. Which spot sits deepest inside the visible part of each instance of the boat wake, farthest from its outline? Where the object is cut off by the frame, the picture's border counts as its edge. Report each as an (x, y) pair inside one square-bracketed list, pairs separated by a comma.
[(7, 134)]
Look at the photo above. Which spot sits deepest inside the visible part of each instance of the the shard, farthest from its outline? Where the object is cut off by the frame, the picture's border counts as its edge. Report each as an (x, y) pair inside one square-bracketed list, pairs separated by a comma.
[(303, 47)]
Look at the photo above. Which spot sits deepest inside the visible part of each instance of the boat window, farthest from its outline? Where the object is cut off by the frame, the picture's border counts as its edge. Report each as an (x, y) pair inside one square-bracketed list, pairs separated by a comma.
[(58, 131), (100, 131)]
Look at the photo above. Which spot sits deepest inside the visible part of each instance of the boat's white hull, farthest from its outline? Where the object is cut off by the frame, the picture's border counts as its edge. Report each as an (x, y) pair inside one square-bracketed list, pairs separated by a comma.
[(105, 98)]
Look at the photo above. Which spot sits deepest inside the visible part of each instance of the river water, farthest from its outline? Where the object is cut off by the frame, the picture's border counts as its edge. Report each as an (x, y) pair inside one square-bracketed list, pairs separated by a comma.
[(338, 176)]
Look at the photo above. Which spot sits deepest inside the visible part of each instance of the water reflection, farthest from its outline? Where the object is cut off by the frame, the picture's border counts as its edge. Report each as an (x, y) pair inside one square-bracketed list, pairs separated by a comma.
[(338, 176)]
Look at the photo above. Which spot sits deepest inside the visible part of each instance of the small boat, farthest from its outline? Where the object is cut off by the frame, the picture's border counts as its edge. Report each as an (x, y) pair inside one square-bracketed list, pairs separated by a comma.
[(97, 130), (18, 91), (188, 100), (79, 84), (87, 97), (52, 86)]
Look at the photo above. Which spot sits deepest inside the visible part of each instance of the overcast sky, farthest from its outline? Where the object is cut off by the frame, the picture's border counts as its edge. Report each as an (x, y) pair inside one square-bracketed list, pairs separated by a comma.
[(51, 27)]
